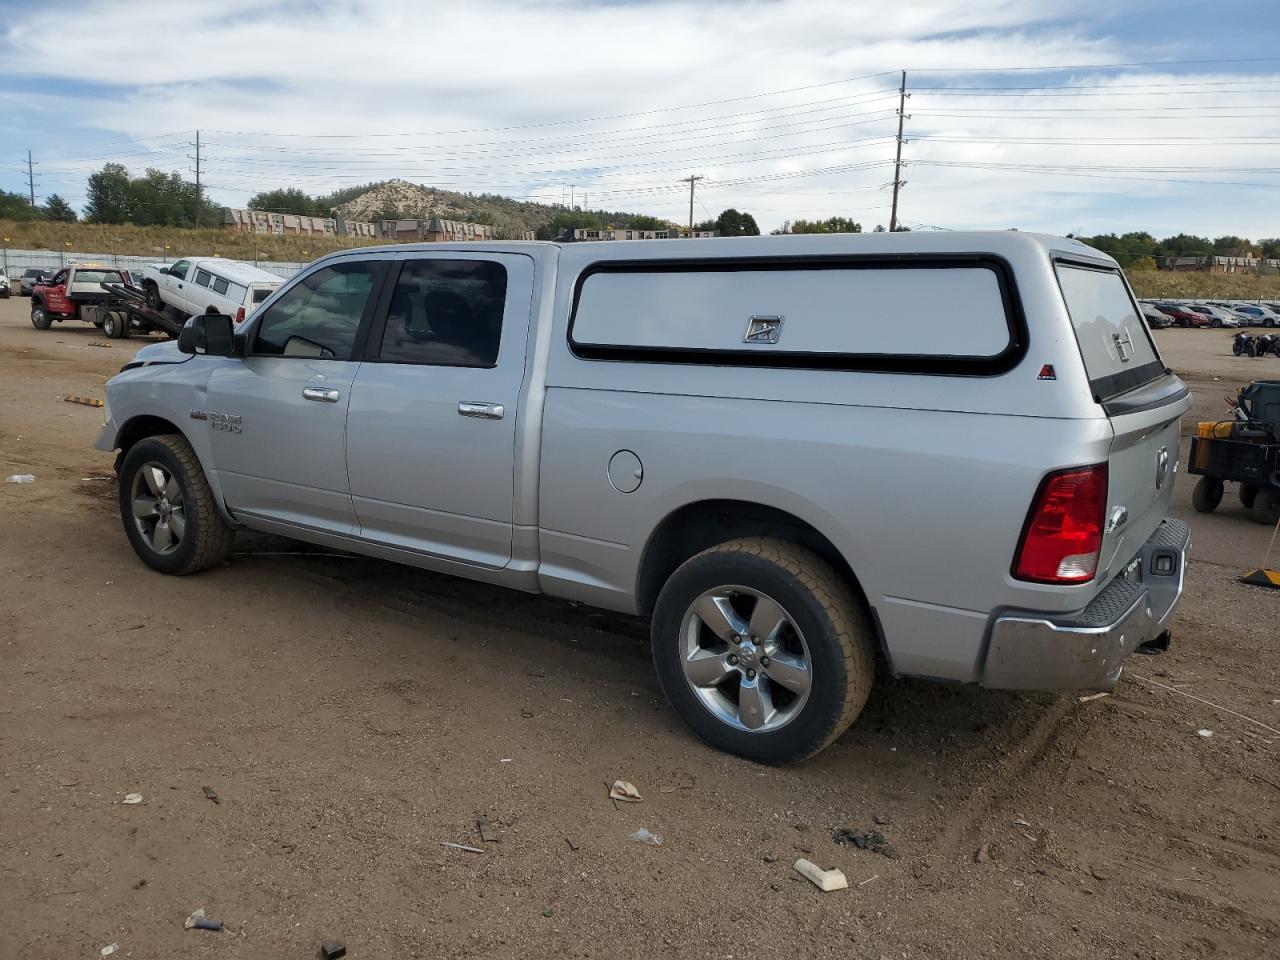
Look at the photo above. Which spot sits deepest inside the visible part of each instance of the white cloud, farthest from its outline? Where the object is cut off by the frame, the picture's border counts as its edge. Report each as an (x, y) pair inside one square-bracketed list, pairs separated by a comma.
[(367, 69)]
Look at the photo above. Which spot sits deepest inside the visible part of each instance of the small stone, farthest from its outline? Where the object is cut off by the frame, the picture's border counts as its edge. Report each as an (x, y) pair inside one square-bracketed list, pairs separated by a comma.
[(882, 820), (527, 714), (1099, 874), (333, 949), (769, 858), (983, 854), (548, 912), (802, 825)]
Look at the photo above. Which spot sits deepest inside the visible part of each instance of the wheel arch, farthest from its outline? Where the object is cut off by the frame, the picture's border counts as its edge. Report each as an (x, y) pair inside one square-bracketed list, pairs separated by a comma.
[(696, 526), (144, 425)]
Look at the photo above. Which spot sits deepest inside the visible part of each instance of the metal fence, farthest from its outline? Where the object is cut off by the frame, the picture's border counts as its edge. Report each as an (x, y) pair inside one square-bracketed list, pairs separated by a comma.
[(15, 262)]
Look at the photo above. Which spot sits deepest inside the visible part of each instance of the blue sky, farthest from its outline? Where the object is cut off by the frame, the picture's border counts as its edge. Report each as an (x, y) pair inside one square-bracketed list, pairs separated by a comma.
[(787, 108)]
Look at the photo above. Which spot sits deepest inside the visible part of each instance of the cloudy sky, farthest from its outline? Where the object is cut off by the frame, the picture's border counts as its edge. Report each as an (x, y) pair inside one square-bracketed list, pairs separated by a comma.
[(1090, 116)]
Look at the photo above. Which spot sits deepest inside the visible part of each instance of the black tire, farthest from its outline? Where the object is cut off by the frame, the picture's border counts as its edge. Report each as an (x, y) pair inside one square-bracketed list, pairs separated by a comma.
[(1207, 494), (153, 297), (40, 318), (1266, 507), (1247, 493), (1268, 322), (1215, 322), (821, 606), (205, 538), (115, 324)]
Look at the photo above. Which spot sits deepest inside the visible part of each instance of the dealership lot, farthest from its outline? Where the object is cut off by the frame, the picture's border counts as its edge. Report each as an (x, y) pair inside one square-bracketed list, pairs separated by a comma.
[(352, 716)]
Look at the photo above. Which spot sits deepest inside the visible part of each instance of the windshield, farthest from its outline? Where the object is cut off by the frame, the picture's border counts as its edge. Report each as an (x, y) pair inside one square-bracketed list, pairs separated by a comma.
[(1114, 343), (97, 276)]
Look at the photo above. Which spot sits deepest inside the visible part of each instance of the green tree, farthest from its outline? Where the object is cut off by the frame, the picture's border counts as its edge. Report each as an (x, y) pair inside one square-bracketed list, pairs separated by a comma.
[(155, 198), (55, 208), (16, 206), (291, 200), (109, 195), (1270, 248), (1184, 245), (564, 220), (829, 225), (641, 222), (1230, 246), (735, 223)]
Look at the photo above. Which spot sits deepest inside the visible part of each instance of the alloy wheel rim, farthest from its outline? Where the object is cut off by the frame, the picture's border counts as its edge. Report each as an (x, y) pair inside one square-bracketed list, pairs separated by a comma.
[(158, 507), (745, 659)]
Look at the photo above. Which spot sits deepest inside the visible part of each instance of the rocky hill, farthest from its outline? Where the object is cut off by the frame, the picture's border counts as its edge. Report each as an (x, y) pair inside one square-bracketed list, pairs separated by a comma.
[(397, 198)]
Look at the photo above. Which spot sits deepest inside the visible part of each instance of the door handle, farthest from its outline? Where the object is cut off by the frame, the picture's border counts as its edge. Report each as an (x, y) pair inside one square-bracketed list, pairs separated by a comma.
[(485, 411), (322, 394)]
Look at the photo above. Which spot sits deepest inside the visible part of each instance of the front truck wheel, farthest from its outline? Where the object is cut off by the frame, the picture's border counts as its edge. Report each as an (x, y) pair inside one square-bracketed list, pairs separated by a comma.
[(763, 649), (167, 508), (1207, 494)]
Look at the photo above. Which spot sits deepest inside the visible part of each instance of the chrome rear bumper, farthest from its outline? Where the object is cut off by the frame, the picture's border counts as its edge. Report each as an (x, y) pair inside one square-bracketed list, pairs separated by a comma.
[(1087, 650)]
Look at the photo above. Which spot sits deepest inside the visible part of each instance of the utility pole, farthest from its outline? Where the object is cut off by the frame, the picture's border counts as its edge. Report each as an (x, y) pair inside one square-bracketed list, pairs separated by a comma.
[(692, 179), (199, 194), (572, 187), (897, 160), (31, 179)]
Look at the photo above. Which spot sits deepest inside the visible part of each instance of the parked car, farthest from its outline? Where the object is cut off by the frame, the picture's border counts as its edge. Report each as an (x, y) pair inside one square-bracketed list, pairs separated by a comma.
[(208, 284), (1182, 315), (1156, 319), (727, 437), (4, 285), (1218, 316), (71, 293), (1259, 316), (31, 276)]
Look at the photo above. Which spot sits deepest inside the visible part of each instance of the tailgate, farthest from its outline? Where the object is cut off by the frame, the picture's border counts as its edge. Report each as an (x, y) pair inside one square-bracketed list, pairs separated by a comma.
[(1140, 472), (1141, 398)]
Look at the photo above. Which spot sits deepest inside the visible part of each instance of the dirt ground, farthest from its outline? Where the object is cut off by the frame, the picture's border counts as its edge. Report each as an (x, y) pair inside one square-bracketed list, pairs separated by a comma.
[(352, 716)]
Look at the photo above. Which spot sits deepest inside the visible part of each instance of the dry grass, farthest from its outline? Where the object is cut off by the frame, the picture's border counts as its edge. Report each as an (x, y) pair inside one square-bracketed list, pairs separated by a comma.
[(128, 239), (1204, 286)]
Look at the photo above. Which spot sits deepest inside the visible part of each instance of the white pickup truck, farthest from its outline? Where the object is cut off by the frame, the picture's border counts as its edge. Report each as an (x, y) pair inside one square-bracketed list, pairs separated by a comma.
[(208, 285)]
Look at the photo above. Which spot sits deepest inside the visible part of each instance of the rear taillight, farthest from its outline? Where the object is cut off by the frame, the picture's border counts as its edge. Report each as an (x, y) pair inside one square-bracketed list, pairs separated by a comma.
[(240, 315), (1063, 534)]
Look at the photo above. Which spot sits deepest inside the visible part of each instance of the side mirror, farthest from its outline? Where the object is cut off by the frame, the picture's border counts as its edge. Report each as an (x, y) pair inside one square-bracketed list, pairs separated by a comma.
[(211, 334), (164, 271)]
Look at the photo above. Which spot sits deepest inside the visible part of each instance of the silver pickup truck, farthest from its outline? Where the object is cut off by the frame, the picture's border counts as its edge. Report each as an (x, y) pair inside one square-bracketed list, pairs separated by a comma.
[(806, 459)]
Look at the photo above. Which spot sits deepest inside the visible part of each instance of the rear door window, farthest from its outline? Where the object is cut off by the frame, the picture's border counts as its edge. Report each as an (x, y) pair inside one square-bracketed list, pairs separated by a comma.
[(446, 313), (1114, 343)]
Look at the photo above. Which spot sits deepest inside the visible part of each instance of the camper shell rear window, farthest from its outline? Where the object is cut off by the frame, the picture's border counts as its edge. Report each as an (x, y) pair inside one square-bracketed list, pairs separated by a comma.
[(1114, 341), (957, 315)]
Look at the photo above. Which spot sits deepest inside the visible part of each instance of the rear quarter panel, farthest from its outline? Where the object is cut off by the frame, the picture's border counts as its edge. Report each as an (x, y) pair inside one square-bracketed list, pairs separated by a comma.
[(921, 482)]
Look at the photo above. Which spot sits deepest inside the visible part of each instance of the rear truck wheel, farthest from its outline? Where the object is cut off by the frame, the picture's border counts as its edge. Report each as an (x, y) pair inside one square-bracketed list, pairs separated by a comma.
[(168, 510), (763, 649), (115, 325), (1207, 494), (1266, 507), (153, 297), (1248, 493), (40, 318)]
